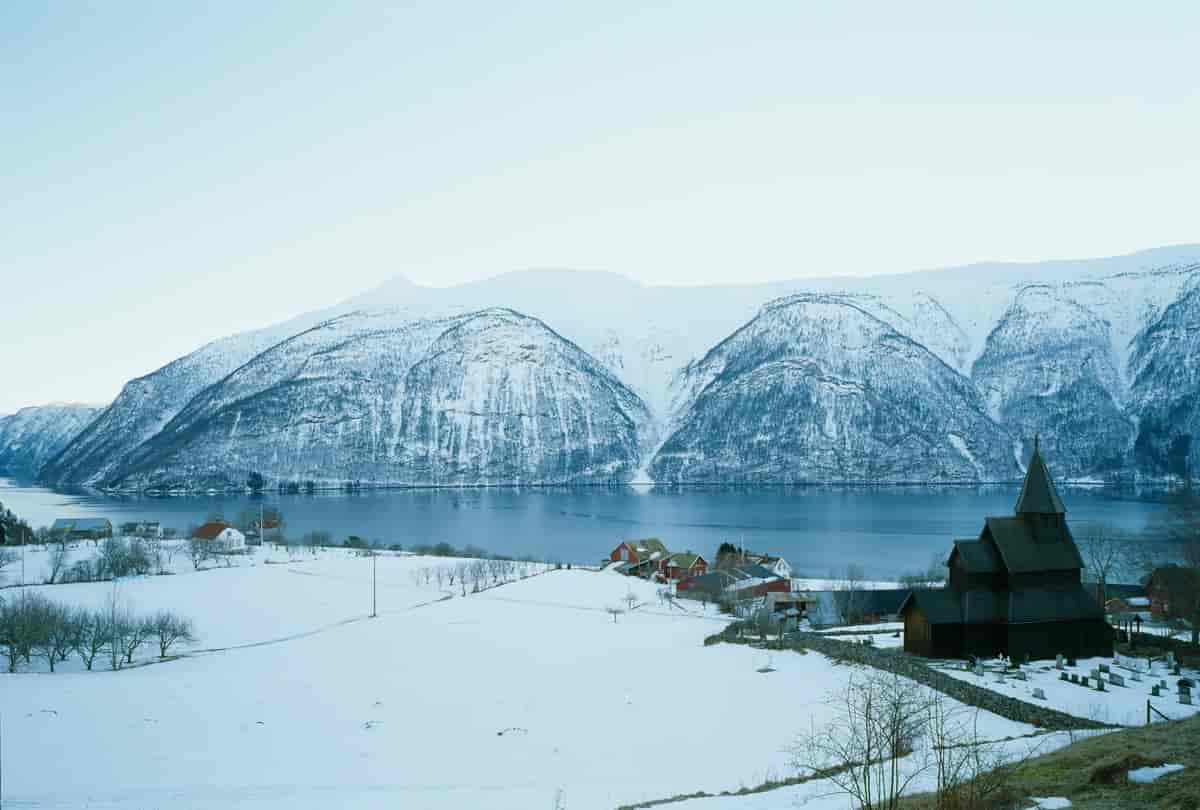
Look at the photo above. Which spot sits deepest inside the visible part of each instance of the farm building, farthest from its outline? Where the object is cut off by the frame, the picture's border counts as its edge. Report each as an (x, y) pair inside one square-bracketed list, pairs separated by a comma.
[(222, 535), (142, 528), (681, 566), (745, 582), (82, 528), (1015, 590), (639, 557)]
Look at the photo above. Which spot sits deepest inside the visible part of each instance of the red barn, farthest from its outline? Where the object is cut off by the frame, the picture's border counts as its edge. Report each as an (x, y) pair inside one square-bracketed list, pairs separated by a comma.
[(681, 566)]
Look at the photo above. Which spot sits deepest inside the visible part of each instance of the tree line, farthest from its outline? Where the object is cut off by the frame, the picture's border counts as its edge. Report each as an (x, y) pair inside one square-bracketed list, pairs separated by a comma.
[(31, 625)]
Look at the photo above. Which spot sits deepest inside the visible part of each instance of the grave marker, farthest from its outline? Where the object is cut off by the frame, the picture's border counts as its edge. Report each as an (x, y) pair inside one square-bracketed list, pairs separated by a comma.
[(1115, 679), (1039, 694), (1058, 661)]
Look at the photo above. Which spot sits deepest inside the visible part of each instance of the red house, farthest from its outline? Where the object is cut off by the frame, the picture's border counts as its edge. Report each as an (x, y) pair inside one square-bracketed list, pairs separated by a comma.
[(681, 566)]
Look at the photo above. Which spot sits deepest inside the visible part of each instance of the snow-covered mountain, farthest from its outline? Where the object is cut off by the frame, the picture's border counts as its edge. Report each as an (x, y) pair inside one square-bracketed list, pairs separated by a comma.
[(1095, 355), (817, 388), (491, 397), (31, 436)]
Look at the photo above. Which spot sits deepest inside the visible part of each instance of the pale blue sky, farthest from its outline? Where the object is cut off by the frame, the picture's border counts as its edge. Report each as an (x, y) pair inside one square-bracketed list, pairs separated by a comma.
[(172, 174)]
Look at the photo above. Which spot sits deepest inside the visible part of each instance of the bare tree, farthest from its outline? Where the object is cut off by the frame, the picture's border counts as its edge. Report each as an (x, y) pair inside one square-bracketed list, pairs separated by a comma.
[(849, 594), (7, 558), (1180, 528), (879, 720), (169, 629), (199, 551), (58, 634), (57, 560), (92, 636), (1105, 550)]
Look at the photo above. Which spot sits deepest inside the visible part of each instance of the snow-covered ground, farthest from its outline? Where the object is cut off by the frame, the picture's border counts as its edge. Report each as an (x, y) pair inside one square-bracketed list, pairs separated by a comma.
[(293, 698), (1122, 705)]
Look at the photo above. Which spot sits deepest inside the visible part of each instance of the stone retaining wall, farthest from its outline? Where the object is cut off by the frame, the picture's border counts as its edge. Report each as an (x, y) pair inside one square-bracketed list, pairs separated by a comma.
[(902, 663)]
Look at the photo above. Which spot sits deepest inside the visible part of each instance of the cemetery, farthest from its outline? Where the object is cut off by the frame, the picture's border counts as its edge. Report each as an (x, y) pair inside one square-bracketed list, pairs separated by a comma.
[(1115, 690)]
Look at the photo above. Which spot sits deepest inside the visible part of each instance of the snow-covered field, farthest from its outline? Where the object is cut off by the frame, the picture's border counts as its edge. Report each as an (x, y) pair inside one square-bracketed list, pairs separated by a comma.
[(493, 700), (1121, 705)]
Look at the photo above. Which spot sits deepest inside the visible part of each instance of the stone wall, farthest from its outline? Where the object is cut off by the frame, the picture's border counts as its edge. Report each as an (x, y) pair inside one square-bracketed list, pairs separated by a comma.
[(902, 663)]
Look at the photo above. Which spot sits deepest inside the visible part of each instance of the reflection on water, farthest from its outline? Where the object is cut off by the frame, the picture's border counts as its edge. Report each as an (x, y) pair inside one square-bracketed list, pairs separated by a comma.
[(884, 529)]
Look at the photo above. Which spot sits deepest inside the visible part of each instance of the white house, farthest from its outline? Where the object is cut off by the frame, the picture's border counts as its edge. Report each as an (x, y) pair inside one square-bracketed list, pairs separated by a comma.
[(223, 536)]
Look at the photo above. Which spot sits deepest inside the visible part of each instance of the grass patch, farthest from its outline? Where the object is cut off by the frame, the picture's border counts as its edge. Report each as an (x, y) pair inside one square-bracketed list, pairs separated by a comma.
[(1092, 773)]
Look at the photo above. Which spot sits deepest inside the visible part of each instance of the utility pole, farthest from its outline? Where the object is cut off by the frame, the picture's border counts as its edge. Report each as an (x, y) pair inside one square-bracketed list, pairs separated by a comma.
[(374, 554)]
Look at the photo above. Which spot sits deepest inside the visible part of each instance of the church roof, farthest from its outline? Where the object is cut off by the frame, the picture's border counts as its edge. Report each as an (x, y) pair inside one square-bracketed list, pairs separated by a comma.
[(1022, 553), (978, 557), (1038, 494)]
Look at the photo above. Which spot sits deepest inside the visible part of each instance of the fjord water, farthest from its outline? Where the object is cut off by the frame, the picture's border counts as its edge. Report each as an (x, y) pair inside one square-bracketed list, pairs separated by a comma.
[(886, 530)]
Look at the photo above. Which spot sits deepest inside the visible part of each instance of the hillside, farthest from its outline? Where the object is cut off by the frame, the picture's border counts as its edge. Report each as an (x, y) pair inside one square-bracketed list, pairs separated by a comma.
[(32, 436)]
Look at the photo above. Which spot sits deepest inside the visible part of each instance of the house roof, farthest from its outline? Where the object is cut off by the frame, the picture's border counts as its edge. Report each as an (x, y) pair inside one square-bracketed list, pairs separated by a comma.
[(81, 524), (937, 605), (978, 557), (1038, 495), (684, 560), (1023, 552), (882, 601), (210, 530), (650, 544)]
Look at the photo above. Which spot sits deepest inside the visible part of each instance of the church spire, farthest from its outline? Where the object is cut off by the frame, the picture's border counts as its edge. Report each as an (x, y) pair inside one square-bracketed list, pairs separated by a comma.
[(1038, 495)]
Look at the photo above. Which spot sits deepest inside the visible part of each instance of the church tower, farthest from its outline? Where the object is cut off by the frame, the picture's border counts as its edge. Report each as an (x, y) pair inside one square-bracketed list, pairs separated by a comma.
[(1038, 502)]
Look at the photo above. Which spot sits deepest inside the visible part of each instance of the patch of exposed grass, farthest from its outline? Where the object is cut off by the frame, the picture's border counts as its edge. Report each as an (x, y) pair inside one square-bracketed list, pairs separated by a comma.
[(1092, 773)]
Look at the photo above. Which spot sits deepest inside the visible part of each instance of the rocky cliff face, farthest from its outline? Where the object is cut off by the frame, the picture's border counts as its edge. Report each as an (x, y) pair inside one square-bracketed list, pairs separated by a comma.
[(1049, 368), (817, 388), (492, 397), (31, 436), (1165, 368)]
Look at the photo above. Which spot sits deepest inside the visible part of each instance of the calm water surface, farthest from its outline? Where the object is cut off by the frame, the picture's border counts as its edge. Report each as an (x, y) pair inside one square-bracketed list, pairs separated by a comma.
[(818, 529)]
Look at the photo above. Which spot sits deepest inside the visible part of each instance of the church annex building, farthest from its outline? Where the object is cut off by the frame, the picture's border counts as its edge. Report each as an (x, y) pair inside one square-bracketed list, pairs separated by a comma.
[(1016, 590)]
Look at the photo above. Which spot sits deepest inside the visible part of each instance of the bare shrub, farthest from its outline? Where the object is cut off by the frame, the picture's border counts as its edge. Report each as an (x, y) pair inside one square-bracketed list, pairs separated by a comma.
[(879, 720)]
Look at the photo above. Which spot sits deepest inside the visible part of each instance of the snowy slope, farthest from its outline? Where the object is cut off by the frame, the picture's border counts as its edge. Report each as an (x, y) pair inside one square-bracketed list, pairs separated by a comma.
[(488, 397), (495, 700), (32, 436)]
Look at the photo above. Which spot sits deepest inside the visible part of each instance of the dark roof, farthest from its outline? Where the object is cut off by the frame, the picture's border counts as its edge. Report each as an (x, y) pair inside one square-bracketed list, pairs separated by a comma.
[(1053, 605), (884, 601), (937, 605), (81, 524), (1038, 494), (1022, 552), (978, 557)]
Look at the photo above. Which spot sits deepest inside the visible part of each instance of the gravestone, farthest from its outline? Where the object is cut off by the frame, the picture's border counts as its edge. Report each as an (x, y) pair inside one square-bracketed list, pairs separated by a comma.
[(1083, 681), (1039, 694), (1070, 662), (1154, 690), (1176, 670), (979, 670), (1064, 677), (1021, 676), (1099, 685), (999, 677), (1074, 678), (1170, 659), (1103, 668), (1095, 673), (1058, 661), (1115, 679)]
